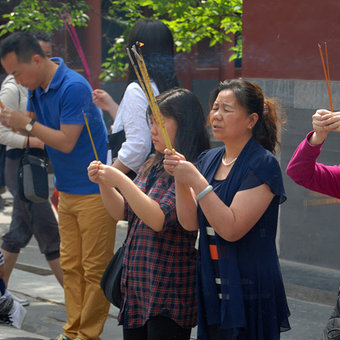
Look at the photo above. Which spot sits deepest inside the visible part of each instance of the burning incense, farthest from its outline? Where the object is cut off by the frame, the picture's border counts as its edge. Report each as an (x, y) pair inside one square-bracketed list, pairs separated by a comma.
[(327, 64), (326, 72), (144, 80), (145, 83), (89, 131), (137, 74), (75, 39)]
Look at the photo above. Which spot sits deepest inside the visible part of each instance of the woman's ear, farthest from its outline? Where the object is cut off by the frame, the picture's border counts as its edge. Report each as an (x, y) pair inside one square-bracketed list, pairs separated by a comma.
[(253, 118)]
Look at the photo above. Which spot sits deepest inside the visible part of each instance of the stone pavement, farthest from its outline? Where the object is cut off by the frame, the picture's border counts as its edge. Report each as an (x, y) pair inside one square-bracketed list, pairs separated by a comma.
[(311, 295), (32, 279)]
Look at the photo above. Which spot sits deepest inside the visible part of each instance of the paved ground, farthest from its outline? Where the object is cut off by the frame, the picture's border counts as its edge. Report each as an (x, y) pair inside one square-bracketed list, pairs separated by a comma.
[(311, 294)]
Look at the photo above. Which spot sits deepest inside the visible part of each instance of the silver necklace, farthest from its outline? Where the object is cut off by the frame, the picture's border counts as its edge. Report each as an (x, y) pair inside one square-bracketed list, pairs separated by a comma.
[(229, 163)]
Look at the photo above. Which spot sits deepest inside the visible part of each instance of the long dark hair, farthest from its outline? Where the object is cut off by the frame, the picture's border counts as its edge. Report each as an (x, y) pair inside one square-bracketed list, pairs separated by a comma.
[(158, 52), (251, 97), (191, 137)]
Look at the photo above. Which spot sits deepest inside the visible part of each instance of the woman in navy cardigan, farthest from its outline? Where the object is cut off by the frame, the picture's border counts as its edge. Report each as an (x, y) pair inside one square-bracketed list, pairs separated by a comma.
[(235, 192)]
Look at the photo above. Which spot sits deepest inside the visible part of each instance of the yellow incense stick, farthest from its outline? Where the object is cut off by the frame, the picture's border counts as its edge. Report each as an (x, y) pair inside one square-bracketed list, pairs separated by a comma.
[(138, 75), (89, 131), (154, 105), (145, 83), (141, 82), (147, 88)]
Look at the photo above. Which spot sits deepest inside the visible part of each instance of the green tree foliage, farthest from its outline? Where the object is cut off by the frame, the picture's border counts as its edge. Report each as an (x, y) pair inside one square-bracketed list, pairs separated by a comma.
[(190, 21), (44, 15)]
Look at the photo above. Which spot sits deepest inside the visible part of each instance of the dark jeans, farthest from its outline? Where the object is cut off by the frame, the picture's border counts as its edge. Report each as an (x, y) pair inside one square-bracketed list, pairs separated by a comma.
[(158, 328)]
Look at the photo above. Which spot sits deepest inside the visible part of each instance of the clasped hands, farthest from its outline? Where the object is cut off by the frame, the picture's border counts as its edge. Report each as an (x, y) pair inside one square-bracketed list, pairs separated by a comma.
[(324, 120), (14, 119)]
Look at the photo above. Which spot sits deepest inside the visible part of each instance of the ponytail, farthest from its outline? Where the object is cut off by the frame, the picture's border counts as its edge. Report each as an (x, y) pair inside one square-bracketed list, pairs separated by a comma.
[(266, 131)]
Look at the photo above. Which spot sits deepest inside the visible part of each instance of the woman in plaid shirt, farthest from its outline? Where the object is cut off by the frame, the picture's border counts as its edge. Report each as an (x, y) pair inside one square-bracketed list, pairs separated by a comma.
[(158, 279)]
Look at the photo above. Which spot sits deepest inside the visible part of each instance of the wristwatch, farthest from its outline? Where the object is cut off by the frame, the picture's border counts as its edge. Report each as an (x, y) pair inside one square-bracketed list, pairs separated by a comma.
[(29, 126)]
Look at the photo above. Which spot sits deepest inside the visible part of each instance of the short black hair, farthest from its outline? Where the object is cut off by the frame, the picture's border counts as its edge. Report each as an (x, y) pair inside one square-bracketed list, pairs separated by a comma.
[(23, 44), (42, 36)]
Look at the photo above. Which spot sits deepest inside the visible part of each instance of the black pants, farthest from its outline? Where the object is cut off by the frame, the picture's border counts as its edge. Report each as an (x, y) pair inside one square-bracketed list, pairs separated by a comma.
[(217, 333), (158, 328)]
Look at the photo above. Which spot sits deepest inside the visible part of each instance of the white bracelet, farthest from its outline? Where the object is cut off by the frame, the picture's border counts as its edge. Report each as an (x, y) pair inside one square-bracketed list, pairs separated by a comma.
[(204, 192)]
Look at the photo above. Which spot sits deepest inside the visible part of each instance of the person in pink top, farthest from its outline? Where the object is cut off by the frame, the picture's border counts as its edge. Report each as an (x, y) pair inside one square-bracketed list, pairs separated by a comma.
[(304, 170)]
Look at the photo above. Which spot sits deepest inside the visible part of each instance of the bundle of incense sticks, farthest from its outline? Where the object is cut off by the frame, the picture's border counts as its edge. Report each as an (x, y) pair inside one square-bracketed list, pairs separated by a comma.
[(89, 131), (144, 80), (326, 72), (145, 83)]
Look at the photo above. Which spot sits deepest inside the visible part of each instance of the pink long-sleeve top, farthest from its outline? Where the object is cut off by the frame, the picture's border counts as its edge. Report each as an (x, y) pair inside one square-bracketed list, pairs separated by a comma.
[(304, 170)]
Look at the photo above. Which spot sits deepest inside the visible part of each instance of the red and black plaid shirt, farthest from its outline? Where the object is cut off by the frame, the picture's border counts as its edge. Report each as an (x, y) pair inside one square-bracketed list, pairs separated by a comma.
[(159, 267)]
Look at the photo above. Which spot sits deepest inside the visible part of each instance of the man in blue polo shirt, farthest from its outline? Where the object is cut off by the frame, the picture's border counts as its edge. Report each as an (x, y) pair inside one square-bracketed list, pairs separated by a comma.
[(59, 97)]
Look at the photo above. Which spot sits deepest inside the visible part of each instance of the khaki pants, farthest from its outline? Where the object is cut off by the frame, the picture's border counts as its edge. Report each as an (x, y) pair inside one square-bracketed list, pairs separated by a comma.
[(87, 234)]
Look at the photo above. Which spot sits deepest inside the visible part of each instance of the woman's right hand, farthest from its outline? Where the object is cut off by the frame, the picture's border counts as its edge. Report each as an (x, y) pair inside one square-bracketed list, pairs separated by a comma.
[(171, 160), (93, 171), (176, 165), (105, 174), (103, 100)]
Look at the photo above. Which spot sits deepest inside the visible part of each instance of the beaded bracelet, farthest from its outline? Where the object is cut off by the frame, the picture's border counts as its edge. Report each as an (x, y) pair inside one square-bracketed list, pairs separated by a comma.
[(204, 192)]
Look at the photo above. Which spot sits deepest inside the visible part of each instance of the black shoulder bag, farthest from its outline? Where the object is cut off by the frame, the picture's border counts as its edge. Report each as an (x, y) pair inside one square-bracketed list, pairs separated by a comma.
[(110, 282), (33, 174)]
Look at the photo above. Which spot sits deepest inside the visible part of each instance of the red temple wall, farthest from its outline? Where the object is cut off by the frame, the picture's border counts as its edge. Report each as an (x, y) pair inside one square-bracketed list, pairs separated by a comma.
[(280, 38)]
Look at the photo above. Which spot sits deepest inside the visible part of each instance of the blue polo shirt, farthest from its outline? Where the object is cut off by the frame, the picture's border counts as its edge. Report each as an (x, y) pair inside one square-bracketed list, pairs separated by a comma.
[(63, 102)]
